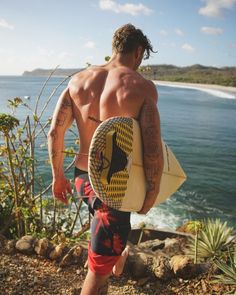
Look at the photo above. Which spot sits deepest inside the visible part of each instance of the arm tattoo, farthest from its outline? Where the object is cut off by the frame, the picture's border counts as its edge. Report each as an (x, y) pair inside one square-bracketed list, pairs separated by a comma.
[(150, 131), (54, 135), (152, 146), (149, 117), (61, 118), (54, 154), (66, 103)]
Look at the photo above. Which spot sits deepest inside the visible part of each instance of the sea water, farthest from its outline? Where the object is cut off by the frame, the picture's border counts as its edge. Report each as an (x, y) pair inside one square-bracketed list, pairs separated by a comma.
[(200, 128)]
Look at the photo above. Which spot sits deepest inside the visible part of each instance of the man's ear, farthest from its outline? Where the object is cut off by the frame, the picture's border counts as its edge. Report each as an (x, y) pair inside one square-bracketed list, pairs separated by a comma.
[(139, 52)]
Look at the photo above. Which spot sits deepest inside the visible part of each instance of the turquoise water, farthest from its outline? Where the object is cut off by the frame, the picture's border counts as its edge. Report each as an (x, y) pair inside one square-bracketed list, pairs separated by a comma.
[(199, 127)]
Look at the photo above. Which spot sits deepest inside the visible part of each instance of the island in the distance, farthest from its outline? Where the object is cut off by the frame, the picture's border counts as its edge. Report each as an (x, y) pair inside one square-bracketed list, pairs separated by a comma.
[(225, 76)]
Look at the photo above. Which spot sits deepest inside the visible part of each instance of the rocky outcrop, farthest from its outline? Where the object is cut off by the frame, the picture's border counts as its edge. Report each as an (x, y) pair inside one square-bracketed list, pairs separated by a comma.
[(160, 255), (60, 253), (26, 244)]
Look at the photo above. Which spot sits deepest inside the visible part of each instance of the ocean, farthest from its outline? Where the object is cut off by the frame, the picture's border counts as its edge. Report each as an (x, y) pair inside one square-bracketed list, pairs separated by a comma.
[(200, 128)]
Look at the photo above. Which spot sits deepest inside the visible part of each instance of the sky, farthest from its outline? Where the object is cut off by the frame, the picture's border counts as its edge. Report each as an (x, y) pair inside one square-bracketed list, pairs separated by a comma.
[(71, 33)]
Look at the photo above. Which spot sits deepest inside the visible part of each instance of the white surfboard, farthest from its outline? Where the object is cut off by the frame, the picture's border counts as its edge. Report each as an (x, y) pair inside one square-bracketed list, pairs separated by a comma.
[(116, 166)]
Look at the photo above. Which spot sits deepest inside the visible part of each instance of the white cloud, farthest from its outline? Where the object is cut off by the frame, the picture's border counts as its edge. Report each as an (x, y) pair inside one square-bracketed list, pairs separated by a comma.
[(163, 33), (4, 24), (212, 31), (188, 47), (129, 8), (89, 44), (213, 8), (179, 32)]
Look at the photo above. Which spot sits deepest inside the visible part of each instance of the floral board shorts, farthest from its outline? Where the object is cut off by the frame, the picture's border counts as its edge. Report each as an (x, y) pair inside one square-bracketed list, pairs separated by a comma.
[(109, 228)]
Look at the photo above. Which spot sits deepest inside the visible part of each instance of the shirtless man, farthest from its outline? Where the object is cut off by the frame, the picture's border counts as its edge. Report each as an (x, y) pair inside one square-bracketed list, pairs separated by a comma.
[(92, 96)]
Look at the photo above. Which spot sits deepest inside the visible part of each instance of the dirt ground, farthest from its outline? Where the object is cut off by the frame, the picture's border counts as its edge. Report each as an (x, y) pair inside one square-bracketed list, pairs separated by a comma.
[(23, 275)]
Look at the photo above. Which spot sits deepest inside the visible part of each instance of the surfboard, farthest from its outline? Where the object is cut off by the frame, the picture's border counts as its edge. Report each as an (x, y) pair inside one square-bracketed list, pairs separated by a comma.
[(115, 166)]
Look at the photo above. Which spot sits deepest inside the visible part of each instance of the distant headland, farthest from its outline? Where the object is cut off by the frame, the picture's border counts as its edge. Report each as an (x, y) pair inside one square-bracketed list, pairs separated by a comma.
[(225, 76), (46, 72)]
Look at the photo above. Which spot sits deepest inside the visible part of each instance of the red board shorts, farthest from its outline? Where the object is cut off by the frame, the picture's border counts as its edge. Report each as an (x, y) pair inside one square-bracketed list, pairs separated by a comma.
[(109, 228)]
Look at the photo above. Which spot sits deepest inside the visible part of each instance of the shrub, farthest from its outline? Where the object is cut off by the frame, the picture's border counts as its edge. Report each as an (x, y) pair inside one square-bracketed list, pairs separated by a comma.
[(213, 240)]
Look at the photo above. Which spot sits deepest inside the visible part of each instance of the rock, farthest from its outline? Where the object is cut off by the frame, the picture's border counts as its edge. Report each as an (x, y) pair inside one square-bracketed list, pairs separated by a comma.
[(77, 251), (143, 281), (41, 247), (26, 244), (152, 245), (137, 264), (162, 269), (10, 247), (184, 268), (57, 252), (72, 257), (173, 247)]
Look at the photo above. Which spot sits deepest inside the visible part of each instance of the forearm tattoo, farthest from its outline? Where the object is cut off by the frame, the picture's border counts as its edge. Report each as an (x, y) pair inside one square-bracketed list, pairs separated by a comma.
[(152, 148), (54, 154)]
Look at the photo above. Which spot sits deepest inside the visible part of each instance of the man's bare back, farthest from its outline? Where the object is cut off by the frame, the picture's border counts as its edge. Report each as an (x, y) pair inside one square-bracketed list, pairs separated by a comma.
[(102, 92)]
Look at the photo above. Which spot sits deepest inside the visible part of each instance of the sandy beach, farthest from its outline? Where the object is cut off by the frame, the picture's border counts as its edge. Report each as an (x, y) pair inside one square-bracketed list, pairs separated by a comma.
[(217, 90)]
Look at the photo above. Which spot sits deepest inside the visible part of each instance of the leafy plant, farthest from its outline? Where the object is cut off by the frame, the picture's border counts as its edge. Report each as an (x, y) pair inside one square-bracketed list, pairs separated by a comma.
[(229, 269), (24, 203), (213, 240)]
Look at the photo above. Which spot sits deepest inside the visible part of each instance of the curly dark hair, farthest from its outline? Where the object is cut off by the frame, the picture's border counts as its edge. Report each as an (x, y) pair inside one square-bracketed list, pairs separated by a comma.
[(127, 38)]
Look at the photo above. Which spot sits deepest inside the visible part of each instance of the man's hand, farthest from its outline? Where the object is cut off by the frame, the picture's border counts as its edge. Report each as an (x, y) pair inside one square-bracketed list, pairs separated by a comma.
[(60, 187)]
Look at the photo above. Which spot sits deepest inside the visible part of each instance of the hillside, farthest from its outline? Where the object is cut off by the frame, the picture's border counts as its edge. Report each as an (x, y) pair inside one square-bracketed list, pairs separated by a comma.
[(191, 74), (47, 72)]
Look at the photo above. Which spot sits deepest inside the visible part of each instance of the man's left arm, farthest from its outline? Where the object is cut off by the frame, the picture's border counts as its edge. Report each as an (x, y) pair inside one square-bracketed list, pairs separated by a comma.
[(61, 121)]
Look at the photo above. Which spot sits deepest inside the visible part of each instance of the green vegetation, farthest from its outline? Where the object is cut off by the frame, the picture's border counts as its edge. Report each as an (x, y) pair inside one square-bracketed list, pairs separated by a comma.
[(192, 74), (228, 269), (214, 243), (213, 239), (25, 203)]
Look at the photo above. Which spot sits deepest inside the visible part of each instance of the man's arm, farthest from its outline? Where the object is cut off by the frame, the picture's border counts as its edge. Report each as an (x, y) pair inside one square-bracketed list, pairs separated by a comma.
[(61, 121), (152, 151)]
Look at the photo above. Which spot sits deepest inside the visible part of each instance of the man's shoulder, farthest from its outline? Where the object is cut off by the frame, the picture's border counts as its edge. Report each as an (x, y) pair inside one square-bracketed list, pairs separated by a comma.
[(145, 82), (150, 90), (148, 84), (84, 75)]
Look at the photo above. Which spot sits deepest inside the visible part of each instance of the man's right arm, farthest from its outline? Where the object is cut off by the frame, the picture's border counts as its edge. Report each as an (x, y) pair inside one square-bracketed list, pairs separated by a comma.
[(152, 151), (61, 121)]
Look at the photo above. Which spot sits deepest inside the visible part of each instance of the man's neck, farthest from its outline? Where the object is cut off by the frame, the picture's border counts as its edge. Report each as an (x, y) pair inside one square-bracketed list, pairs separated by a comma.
[(126, 60)]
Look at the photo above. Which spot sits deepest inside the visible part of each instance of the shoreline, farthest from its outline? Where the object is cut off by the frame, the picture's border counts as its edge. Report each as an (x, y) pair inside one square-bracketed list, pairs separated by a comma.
[(216, 90)]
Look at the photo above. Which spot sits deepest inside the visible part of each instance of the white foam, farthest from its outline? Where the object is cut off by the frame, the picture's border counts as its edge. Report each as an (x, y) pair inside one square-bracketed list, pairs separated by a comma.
[(213, 92), (156, 218)]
